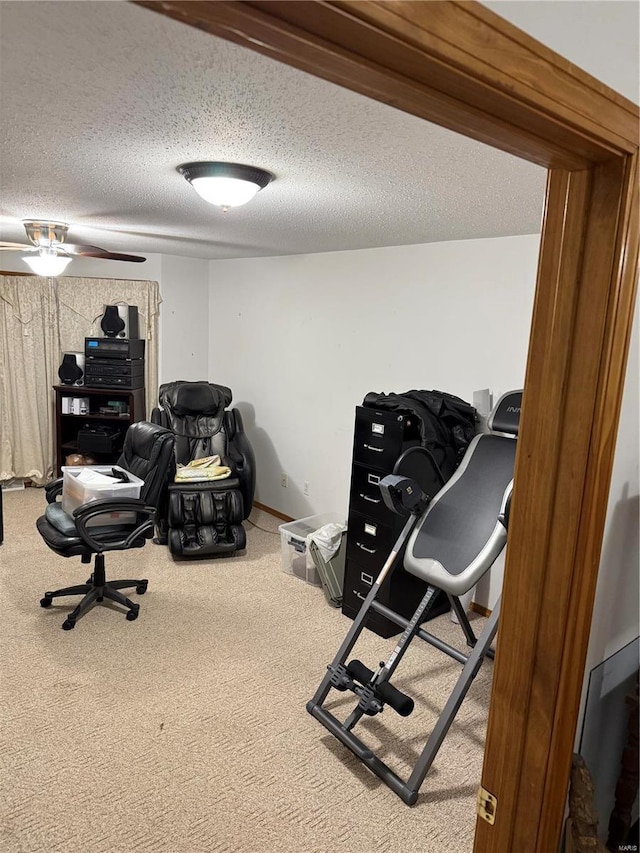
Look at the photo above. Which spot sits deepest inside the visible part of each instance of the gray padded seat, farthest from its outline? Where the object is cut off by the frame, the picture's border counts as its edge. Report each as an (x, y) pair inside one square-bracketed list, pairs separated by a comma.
[(460, 535)]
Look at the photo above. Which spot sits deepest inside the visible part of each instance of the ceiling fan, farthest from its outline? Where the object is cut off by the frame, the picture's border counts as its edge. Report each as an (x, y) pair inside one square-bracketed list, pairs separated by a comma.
[(49, 240)]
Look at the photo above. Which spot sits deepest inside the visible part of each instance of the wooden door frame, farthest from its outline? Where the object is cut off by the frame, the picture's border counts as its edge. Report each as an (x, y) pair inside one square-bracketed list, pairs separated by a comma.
[(461, 66)]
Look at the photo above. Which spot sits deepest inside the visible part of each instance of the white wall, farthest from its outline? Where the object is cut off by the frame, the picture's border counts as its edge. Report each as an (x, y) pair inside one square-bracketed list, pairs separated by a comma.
[(184, 312), (615, 614), (302, 339), (184, 318), (600, 735)]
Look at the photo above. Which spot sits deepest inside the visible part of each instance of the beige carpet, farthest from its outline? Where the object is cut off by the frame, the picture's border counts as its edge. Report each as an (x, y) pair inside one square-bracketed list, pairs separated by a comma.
[(186, 730)]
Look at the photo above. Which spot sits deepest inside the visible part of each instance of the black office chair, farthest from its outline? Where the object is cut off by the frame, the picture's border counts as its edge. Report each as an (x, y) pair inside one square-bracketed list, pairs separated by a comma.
[(147, 454), (451, 542), (204, 518)]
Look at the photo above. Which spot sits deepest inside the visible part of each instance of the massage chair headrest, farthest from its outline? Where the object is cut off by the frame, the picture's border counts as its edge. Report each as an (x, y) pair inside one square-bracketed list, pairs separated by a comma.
[(195, 398), (505, 416)]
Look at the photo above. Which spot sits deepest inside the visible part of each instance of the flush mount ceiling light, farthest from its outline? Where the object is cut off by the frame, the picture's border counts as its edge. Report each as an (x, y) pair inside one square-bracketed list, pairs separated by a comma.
[(225, 184)]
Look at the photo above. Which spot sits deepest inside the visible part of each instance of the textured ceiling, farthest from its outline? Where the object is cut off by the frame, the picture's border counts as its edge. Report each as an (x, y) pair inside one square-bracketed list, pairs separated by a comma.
[(100, 101)]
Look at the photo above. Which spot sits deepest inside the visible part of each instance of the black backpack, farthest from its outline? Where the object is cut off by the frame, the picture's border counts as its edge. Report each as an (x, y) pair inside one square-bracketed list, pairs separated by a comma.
[(447, 423)]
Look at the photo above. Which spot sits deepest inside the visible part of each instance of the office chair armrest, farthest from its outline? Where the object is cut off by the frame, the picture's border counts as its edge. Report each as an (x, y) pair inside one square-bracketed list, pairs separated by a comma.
[(92, 539), (53, 489)]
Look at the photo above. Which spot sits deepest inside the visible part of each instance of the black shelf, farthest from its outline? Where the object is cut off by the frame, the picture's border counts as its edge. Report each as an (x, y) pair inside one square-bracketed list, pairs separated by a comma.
[(68, 425), (99, 417)]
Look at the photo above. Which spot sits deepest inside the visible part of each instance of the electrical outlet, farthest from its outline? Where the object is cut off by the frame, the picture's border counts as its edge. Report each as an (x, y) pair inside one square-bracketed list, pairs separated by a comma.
[(306, 487), (284, 480)]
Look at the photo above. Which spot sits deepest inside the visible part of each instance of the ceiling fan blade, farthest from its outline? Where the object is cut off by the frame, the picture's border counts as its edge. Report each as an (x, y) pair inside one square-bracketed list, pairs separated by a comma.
[(96, 252), (16, 247)]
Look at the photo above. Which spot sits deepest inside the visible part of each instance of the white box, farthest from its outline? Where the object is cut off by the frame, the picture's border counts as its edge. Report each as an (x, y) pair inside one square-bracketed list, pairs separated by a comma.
[(294, 541), (75, 493), (79, 406)]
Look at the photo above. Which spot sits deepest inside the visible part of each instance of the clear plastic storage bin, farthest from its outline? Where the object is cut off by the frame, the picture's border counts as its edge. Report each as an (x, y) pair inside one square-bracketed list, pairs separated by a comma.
[(294, 544), (76, 493)]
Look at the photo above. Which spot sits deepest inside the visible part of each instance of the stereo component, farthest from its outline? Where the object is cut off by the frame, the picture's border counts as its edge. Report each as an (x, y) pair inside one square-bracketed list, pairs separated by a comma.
[(128, 383), (71, 371), (117, 348), (120, 321), (113, 367), (114, 373)]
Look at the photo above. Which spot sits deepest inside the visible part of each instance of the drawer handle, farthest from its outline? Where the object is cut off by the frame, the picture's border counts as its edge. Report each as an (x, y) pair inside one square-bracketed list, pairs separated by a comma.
[(358, 594), (370, 499), (364, 548), (371, 447)]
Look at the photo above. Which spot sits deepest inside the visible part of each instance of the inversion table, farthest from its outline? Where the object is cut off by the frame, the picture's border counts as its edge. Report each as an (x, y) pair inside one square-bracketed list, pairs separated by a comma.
[(453, 540)]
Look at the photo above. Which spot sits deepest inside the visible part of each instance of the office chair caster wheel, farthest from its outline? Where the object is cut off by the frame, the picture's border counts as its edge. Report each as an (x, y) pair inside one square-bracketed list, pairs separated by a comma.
[(68, 624), (131, 615), (142, 588), (46, 601)]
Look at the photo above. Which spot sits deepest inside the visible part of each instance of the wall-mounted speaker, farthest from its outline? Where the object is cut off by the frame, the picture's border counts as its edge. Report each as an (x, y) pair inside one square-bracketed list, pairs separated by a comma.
[(120, 321), (71, 371)]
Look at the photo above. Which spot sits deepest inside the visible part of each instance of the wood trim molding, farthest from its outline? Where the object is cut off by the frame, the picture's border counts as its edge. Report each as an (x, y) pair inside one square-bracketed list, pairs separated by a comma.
[(454, 63), (479, 608), (274, 512), (459, 65)]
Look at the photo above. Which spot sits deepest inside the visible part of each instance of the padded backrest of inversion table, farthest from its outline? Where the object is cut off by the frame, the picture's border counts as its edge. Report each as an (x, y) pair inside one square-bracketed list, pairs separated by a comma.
[(461, 532)]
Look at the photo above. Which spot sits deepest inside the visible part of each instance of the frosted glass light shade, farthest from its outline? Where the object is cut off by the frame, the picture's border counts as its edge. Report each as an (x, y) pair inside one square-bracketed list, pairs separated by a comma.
[(47, 263), (225, 192), (225, 184)]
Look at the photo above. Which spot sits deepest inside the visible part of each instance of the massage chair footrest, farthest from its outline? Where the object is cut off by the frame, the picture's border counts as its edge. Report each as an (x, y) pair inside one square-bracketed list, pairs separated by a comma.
[(205, 518), (206, 541)]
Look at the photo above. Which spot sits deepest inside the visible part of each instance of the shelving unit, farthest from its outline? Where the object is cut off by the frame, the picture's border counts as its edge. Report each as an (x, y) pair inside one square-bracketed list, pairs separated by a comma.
[(68, 426)]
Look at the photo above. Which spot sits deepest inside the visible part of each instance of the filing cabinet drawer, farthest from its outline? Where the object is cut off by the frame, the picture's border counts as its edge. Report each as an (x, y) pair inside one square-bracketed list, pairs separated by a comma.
[(366, 496), (402, 593), (380, 437), (369, 541), (355, 591)]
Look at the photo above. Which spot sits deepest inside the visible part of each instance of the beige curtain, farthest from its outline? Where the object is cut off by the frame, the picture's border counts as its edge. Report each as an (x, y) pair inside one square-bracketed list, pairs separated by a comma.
[(29, 360), (40, 318), (81, 302)]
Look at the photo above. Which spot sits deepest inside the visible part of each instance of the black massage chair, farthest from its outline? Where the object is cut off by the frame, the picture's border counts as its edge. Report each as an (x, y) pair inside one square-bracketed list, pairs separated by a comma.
[(205, 518)]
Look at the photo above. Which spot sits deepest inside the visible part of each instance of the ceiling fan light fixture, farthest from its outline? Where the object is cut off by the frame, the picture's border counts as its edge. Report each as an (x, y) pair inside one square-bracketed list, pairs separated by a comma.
[(45, 234), (225, 184), (47, 263)]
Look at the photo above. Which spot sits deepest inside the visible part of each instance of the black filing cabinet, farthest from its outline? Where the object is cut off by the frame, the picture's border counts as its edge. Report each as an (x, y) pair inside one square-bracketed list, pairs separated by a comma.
[(379, 439)]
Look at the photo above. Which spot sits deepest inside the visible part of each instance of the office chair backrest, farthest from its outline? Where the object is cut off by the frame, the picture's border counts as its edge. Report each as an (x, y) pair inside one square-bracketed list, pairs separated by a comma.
[(148, 453), (195, 412), (464, 527)]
